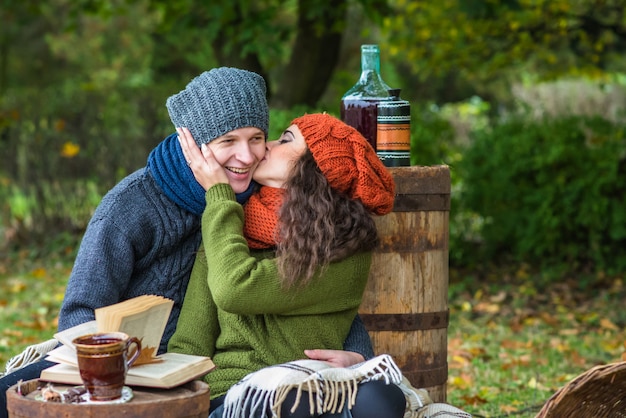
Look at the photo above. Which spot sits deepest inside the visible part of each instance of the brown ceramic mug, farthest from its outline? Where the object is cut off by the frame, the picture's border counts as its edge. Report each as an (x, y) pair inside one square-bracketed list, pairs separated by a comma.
[(103, 360)]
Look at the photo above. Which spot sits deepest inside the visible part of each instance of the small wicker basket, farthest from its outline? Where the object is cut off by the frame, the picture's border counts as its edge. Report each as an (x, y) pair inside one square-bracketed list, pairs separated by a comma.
[(599, 392)]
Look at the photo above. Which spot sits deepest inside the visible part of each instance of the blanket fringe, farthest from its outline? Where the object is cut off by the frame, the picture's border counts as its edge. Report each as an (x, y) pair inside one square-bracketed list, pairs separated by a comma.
[(329, 388)]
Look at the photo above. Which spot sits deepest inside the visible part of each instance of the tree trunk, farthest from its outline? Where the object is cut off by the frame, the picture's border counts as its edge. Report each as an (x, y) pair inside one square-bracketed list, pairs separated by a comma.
[(314, 55), (223, 50), (248, 62)]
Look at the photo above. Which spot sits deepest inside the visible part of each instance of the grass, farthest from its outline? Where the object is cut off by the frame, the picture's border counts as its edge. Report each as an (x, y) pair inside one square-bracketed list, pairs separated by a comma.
[(511, 344), (32, 285)]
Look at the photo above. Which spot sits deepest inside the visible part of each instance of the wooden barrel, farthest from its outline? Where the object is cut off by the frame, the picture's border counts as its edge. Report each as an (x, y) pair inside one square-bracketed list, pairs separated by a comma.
[(190, 400), (405, 306)]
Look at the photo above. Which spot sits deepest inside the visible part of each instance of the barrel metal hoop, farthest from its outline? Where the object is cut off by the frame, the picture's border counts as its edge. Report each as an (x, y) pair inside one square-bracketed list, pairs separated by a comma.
[(421, 202), (406, 321), (425, 378)]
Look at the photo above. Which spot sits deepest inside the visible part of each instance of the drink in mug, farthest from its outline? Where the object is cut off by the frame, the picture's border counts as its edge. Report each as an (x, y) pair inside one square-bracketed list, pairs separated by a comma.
[(103, 360)]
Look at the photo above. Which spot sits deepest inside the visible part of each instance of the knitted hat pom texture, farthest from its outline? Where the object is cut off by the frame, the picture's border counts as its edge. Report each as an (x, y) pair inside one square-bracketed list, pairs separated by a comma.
[(219, 101), (348, 161)]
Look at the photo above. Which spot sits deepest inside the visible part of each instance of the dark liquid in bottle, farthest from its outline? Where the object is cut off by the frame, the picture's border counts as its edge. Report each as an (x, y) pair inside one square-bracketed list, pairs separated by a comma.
[(361, 115)]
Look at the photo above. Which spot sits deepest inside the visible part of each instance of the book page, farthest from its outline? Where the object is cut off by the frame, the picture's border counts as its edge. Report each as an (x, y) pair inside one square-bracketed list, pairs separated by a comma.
[(109, 317), (63, 354), (171, 363), (147, 325), (62, 373), (67, 336), (175, 369)]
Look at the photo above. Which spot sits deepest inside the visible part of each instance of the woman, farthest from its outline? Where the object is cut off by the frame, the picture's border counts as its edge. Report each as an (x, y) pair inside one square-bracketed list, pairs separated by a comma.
[(291, 276)]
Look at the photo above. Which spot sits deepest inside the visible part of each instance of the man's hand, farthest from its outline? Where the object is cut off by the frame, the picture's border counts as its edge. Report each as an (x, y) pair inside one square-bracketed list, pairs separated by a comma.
[(336, 358)]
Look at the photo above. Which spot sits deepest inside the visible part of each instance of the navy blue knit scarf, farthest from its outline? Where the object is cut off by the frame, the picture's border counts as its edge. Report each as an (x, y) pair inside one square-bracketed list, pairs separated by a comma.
[(168, 166)]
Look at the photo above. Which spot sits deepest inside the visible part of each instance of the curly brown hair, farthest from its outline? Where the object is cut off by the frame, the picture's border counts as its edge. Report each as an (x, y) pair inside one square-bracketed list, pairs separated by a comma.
[(318, 225)]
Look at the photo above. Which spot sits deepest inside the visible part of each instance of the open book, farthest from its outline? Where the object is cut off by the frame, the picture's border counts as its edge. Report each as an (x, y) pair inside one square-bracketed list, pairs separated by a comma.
[(174, 370), (143, 317)]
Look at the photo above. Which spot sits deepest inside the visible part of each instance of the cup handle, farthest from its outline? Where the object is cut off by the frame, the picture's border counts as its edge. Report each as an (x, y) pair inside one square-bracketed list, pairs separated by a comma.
[(137, 342)]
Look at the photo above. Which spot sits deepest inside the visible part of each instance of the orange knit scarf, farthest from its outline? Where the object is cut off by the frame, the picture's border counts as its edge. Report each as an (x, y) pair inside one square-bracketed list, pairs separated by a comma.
[(261, 217)]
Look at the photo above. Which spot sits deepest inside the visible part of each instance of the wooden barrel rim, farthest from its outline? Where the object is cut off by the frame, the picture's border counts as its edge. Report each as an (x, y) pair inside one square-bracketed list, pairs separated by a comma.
[(424, 189), (406, 322), (422, 180), (191, 400)]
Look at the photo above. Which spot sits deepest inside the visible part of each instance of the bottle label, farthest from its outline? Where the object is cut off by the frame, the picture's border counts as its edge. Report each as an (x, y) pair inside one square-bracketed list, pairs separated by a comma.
[(393, 133)]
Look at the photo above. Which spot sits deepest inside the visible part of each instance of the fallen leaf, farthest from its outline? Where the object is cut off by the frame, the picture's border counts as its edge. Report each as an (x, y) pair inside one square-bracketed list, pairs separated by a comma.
[(499, 297), (485, 307), (513, 345), (39, 272), (549, 319), (473, 400), (607, 324), (508, 408)]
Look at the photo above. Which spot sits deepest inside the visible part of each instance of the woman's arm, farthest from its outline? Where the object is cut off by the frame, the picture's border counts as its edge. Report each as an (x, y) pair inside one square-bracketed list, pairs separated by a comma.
[(243, 284)]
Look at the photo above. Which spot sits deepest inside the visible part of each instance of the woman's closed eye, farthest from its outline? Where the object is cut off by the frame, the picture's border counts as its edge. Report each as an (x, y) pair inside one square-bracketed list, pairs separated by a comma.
[(286, 137)]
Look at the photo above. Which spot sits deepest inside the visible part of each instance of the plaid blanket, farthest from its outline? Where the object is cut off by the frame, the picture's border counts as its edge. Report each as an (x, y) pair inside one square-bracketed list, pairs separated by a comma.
[(327, 388)]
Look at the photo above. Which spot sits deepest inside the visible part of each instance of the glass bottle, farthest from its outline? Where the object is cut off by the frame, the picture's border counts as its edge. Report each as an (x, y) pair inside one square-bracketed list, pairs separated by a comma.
[(393, 131), (359, 103)]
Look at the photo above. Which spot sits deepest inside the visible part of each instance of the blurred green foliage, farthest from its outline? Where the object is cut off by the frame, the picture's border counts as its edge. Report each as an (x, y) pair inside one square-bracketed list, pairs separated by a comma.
[(83, 86), (484, 42), (550, 192)]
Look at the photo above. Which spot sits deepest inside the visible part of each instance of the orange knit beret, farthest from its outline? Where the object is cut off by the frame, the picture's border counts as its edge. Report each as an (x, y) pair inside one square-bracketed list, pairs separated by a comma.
[(348, 161)]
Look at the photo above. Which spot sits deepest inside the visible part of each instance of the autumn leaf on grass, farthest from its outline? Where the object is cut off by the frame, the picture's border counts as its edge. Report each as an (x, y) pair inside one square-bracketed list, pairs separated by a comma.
[(507, 409), (39, 324), (13, 332), (521, 361), (515, 345), (577, 359), (549, 319), (39, 273), (463, 381), (485, 307), (17, 286), (473, 400), (499, 297), (460, 359), (607, 324), (463, 357), (534, 384)]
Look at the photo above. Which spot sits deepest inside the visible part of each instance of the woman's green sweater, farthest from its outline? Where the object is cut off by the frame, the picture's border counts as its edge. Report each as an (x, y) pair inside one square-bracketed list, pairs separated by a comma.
[(237, 313)]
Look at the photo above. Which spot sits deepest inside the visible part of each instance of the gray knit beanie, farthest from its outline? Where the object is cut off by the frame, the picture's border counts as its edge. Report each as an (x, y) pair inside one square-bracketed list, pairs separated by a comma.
[(219, 101)]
